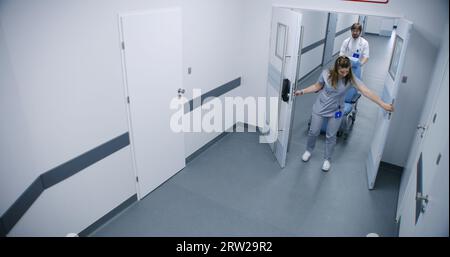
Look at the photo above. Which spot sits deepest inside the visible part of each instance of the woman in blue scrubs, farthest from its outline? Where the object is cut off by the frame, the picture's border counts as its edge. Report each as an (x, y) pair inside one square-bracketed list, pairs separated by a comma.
[(330, 103)]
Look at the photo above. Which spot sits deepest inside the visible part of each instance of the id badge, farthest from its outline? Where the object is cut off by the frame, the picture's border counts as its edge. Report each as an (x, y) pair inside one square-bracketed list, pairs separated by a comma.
[(337, 115), (356, 55)]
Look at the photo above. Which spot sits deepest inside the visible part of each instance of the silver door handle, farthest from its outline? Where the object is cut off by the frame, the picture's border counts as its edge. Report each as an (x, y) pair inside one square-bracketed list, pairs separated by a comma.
[(390, 113), (420, 197), (423, 201)]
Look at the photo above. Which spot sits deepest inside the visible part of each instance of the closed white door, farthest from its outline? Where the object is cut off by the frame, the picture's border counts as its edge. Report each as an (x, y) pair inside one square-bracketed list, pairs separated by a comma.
[(284, 61), (392, 82), (152, 57)]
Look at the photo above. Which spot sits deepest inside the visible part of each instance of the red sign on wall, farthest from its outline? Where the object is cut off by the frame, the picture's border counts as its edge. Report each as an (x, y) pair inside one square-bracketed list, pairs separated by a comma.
[(370, 1)]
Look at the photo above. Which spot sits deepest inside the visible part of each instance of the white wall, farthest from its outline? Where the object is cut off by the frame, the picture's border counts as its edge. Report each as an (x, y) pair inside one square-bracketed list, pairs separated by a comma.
[(80, 200), (379, 25), (315, 26), (338, 42), (343, 21), (373, 24), (419, 62), (311, 60), (212, 48), (62, 95)]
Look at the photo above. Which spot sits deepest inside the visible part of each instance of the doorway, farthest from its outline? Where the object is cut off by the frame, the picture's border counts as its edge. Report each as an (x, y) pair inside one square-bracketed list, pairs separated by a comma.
[(376, 118)]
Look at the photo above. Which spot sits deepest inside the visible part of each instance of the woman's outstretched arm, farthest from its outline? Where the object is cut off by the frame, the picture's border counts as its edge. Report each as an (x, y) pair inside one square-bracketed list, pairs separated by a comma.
[(365, 91), (311, 89)]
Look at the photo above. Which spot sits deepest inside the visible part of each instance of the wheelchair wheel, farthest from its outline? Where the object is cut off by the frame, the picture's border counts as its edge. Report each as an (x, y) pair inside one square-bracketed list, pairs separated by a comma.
[(351, 122), (345, 136)]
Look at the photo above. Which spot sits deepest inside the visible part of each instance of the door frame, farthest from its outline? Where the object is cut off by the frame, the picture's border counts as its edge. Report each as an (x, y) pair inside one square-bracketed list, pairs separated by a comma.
[(328, 36), (362, 13), (126, 98)]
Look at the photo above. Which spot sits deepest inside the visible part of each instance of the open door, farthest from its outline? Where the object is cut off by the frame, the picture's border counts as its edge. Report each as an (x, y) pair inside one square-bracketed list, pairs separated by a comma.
[(284, 60), (401, 37)]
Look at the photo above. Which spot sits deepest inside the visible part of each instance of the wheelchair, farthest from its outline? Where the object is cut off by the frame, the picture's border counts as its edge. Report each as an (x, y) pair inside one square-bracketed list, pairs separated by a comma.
[(349, 114)]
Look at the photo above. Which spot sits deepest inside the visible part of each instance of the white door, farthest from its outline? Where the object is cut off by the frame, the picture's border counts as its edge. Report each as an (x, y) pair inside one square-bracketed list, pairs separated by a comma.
[(392, 82), (284, 60), (152, 59), (425, 211)]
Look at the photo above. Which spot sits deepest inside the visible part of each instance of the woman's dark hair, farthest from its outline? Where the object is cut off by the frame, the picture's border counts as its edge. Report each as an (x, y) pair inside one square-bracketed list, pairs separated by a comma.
[(341, 62)]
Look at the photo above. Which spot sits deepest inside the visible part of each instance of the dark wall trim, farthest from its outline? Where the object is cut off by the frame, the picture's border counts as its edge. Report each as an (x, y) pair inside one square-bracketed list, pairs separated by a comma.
[(322, 41), (309, 73), (22, 204), (107, 217), (56, 175), (206, 146), (373, 34), (343, 31), (312, 46), (72, 167), (225, 88)]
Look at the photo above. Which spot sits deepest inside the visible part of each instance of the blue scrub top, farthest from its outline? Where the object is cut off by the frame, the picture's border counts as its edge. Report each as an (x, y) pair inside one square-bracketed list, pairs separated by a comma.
[(331, 100)]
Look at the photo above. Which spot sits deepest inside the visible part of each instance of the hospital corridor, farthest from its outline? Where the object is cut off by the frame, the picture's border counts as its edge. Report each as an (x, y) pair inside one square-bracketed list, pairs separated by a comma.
[(191, 119), (236, 188)]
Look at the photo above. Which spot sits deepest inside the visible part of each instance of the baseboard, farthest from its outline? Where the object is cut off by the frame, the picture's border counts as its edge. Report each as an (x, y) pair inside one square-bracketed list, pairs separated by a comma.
[(391, 167), (107, 217), (247, 128), (204, 147)]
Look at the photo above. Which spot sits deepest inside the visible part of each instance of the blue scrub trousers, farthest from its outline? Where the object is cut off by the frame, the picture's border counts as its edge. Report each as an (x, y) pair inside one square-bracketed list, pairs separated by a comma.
[(314, 131)]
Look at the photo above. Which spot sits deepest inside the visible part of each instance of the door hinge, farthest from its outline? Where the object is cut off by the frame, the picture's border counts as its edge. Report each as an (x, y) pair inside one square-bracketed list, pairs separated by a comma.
[(123, 45), (137, 179), (128, 99)]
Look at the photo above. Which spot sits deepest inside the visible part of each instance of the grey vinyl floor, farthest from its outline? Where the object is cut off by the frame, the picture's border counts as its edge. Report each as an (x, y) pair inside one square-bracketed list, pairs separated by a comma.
[(236, 187)]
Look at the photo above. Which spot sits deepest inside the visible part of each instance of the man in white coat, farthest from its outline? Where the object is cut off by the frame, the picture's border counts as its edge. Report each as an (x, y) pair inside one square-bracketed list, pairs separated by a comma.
[(356, 48)]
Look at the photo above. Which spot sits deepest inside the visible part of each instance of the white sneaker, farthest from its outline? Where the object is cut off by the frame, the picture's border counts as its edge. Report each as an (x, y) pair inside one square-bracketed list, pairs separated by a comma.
[(326, 165), (305, 156)]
